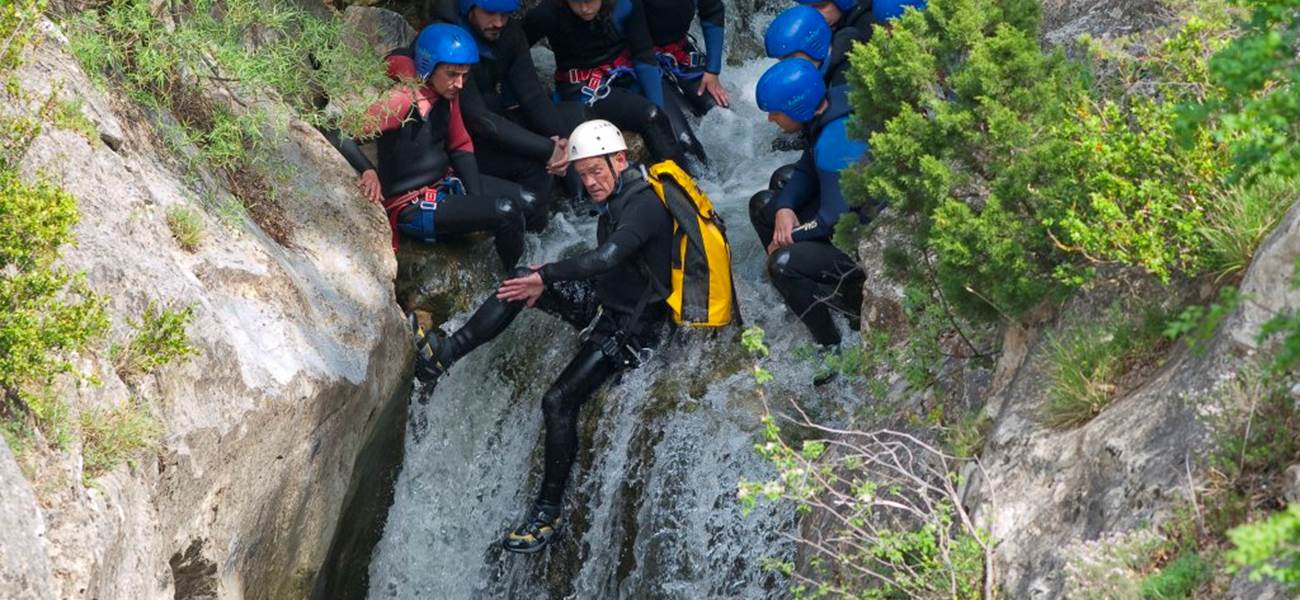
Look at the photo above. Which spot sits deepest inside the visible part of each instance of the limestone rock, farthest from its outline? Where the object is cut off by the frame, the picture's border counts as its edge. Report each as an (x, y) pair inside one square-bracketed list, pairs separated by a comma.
[(381, 29), (300, 349), (1291, 484), (24, 568)]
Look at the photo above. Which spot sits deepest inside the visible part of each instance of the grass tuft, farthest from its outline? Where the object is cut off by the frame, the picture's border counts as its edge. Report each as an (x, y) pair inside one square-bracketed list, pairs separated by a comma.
[(186, 226), (160, 339), (116, 435), (1237, 224)]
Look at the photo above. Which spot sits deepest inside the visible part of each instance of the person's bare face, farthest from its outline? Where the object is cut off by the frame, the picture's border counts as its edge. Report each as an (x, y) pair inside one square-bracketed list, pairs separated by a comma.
[(585, 9), (448, 79), (830, 12), (489, 24), (597, 177), (784, 121)]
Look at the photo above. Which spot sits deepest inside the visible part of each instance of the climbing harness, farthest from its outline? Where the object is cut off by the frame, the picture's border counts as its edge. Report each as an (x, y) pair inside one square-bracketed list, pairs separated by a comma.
[(427, 199), (680, 59), (597, 80)]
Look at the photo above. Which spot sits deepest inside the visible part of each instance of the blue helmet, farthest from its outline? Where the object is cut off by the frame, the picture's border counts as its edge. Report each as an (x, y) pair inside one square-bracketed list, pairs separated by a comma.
[(794, 87), (443, 43), (798, 29), (843, 5), (496, 6), (888, 10)]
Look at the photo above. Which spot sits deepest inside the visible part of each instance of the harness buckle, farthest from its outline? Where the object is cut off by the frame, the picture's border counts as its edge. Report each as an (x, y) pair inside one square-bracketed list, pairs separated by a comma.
[(574, 76)]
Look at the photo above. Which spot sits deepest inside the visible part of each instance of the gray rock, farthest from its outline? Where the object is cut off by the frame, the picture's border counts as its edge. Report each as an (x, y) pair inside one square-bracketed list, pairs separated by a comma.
[(1291, 484), (380, 29), (1242, 588), (24, 568)]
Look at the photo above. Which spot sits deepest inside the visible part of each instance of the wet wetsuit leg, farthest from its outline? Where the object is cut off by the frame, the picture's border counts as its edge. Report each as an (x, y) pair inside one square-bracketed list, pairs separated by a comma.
[(588, 370), (675, 106), (460, 214), (520, 182), (699, 104), (631, 111), (812, 277), (762, 214)]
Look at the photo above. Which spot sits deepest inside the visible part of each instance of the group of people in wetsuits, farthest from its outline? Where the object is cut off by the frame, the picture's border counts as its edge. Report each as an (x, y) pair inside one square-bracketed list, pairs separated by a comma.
[(470, 140)]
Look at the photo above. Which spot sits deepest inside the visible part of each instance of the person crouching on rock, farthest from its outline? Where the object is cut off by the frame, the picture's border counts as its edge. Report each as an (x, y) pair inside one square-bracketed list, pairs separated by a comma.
[(795, 219), (428, 180), (615, 294), (517, 131)]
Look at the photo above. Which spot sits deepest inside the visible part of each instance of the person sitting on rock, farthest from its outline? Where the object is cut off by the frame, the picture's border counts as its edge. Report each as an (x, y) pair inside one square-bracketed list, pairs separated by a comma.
[(801, 32), (690, 77), (517, 131), (605, 67), (428, 179), (795, 220), (616, 292)]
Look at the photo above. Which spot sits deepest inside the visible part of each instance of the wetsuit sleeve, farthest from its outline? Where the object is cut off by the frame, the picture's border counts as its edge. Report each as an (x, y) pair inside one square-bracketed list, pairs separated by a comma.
[(460, 150), (644, 63), (802, 185), (713, 19), (352, 152), (833, 152), (486, 125), (637, 227), (532, 97)]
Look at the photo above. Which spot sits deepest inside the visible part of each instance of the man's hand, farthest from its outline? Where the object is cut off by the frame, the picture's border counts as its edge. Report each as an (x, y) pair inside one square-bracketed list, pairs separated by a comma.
[(370, 188), (710, 83), (559, 161), (785, 224), (528, 288)]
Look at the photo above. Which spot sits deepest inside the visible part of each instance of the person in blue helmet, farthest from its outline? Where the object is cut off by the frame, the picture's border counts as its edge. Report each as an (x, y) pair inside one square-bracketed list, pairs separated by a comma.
[(427, 179), (518, 133), (795, 220), (801, 32), (605, 67), (845, 14)]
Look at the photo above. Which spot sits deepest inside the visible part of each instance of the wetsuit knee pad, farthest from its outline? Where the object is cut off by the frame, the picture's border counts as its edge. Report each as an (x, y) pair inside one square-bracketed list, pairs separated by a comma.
[(508, 210), (780, 177), (536, 212), (758, 204), (778, 264)]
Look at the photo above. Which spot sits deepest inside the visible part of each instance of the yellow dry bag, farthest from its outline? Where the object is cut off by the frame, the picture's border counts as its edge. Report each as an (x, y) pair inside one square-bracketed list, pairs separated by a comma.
[(702, 293)]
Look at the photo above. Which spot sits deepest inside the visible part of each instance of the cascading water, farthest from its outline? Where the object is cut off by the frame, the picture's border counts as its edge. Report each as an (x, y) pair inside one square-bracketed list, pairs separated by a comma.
[(652, 508)]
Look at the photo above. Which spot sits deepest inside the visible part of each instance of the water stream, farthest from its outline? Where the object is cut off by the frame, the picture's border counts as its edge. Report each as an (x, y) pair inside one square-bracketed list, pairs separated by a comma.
[(652, 504)]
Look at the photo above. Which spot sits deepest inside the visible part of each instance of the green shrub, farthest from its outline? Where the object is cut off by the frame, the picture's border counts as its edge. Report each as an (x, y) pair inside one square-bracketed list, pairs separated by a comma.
[(1088, 359), (160, 338), (18, 19), (186, 226), (112, 436), (1196, 324), (66, 113), (46, 313), (1178, 579), (1270, 548), (1255, 109), (1018, 172)]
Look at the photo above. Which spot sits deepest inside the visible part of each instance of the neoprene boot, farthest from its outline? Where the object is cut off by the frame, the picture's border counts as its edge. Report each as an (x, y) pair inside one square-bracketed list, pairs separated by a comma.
[(539, 530)]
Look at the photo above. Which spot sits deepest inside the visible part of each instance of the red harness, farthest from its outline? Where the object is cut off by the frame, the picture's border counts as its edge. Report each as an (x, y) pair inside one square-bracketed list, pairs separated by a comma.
[(596, 80)]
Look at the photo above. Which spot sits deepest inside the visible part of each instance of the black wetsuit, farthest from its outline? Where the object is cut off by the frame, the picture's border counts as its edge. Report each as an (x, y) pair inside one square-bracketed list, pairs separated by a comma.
[(418, 152), (812, 275), (510, 116), (858, 18), (619, 35), (836, 69), (670, 25), (634, 238)]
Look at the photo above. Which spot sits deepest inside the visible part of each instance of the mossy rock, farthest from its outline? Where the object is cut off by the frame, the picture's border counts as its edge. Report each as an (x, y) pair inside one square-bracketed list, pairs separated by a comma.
[(445, 278)]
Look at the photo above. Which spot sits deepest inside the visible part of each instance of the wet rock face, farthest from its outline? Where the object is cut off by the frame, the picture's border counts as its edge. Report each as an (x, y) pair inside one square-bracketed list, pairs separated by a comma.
[(24, 568), (300, 347)]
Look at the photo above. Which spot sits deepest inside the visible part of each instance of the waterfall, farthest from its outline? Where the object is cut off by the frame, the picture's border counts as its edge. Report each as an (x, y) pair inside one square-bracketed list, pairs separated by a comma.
[(651, 508)]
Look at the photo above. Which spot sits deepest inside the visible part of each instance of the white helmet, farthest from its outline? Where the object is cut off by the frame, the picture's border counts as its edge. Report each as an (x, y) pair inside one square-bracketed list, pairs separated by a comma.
[(595, 138)]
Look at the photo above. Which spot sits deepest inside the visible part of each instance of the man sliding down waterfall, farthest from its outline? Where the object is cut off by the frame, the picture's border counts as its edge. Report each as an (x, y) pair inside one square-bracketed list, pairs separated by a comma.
[(615, 294), (795, 220)]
